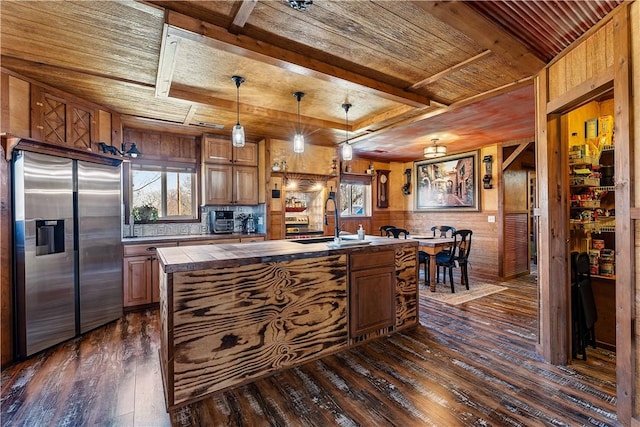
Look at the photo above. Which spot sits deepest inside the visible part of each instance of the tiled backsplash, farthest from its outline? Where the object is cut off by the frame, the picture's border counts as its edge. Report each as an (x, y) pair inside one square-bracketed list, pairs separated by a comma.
[(202, 227)]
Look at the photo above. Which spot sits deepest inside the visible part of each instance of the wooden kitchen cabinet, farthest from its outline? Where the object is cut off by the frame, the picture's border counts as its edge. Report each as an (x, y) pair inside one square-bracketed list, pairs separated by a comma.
[(252, 239), (141, 274), (224, 184), (372, 297), (216, 149), (57, 120), (230, 174)]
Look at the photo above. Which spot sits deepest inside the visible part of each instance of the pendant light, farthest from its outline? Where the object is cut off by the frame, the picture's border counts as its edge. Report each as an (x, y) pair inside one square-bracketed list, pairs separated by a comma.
[(237, 135), (435, 150), (298, 140), (347, 150)]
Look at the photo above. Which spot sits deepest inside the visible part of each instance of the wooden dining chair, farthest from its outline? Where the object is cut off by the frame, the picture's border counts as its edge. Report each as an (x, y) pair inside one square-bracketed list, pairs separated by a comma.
[(423, 257), (443, 230), (397, 232), (458, 256)]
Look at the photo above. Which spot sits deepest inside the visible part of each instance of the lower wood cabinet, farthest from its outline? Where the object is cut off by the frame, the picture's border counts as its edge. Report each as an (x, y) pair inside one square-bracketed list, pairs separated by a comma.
[(141, 269), (372, 296), (141, 274)]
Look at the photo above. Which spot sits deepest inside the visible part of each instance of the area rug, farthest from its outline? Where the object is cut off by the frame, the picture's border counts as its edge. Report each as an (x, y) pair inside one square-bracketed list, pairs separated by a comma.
[(443, 293)]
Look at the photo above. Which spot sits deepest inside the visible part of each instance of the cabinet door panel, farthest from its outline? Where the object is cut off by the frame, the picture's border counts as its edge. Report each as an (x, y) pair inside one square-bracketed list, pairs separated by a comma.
[(79, 127), (246, 185), (217, 150), (218, 184), (371, 300), (55, 119), (247, 155), (137, 281)]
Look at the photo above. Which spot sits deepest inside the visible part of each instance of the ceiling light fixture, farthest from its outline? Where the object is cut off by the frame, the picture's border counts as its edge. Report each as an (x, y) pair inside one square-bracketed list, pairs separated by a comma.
[(347, 149), (299, 4), (298, 140), (435, 150), (237, 135), (132, 152)]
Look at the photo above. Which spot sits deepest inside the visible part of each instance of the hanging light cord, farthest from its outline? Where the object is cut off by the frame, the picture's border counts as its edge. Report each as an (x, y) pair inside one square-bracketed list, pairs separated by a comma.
[(239, 81), (346, 107), (299, 96)]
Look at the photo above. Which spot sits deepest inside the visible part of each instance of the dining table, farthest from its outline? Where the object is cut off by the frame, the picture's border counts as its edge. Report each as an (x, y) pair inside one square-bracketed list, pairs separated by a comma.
[(432, 245)]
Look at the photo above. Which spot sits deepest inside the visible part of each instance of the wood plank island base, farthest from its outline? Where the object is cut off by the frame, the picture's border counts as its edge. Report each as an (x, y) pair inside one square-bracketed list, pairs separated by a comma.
[(233, 313)]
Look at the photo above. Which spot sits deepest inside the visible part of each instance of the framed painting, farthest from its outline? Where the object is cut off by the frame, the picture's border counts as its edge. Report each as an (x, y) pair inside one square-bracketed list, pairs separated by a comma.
[(448, 183)]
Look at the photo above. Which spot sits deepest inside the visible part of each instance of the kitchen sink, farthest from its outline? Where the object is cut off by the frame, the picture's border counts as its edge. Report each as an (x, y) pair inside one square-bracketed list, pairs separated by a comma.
[(320, 240), (314, 240)]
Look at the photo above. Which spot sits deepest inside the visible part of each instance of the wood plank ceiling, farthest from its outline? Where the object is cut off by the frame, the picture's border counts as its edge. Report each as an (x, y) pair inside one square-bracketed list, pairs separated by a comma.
[(414, 71)]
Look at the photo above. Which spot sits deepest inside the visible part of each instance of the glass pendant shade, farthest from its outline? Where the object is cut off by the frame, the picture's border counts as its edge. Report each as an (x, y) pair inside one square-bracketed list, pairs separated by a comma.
[(237, 136), (347, 152), (298, 143), (298, 139)]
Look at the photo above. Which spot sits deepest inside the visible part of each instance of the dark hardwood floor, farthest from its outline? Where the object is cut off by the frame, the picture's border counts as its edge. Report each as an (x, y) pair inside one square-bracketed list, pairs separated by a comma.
[(473, 364)]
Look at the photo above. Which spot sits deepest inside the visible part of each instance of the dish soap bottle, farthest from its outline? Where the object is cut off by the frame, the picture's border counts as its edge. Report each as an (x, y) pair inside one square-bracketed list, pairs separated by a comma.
[(360, 233)]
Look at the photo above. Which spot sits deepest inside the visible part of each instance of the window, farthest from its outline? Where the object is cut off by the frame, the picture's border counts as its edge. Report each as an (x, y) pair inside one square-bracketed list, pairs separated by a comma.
[(355, 199), (171, 190)]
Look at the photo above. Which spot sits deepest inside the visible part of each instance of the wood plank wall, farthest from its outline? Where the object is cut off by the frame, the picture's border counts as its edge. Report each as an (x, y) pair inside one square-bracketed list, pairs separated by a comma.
[(635, 55), (483, 259), (163, 146)]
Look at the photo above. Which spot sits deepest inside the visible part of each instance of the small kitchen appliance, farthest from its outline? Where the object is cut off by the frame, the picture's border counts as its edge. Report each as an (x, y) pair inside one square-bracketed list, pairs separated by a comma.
[(297, 227), (221, 222)]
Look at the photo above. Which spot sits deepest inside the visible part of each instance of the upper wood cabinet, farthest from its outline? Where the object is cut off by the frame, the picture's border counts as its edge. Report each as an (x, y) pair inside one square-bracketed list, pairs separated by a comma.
[(58, 121), (230, 174), (225, 184), (216, 149)]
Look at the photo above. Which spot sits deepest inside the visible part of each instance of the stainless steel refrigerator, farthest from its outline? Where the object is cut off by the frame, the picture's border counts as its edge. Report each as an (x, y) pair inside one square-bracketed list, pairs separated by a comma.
[(68, 256)]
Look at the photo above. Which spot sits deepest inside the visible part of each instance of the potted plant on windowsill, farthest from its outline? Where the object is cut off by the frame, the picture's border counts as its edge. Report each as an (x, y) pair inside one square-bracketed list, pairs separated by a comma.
[(145, 213)]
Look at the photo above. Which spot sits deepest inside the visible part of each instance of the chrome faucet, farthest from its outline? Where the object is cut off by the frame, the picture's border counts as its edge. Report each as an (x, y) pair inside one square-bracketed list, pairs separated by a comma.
[(332, 196)]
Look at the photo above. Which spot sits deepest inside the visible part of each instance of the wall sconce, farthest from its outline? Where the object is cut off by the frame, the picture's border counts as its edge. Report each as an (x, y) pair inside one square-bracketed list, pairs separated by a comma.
[(487, 160), (132, 152), (406, 188)]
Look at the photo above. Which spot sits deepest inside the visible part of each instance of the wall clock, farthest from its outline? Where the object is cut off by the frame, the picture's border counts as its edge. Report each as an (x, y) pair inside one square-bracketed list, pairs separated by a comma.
[(383, 188)]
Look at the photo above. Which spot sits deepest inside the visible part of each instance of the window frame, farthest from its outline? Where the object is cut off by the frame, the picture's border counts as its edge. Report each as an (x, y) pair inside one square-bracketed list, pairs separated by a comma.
[(127, 195), (368, 196)]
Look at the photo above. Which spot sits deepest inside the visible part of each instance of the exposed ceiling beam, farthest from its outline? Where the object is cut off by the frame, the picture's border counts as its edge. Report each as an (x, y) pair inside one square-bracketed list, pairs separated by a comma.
[(219, 38), (514, 155), (188, 94), (20, 63), (189, 116), (242, 14), (450, 70), (167, 63), (485, 33)]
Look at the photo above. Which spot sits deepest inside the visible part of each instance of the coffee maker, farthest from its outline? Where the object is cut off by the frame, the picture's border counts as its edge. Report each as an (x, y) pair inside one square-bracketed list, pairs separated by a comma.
[(250, 225)]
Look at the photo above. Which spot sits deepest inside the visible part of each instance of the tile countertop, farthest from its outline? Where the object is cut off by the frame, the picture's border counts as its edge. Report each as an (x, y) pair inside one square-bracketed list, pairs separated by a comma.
[(194, 258), (181, 238)]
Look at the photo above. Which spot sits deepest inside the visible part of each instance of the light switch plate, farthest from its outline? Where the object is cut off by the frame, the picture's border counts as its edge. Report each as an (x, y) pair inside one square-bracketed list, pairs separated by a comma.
[(491, 218)]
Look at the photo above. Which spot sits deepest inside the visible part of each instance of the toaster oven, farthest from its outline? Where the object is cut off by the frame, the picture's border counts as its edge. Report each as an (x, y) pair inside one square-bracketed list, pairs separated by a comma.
[(221, 222)]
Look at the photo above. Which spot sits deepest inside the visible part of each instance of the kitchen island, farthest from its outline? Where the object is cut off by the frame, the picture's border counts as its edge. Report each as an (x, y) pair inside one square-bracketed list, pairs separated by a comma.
[(232, 313)]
